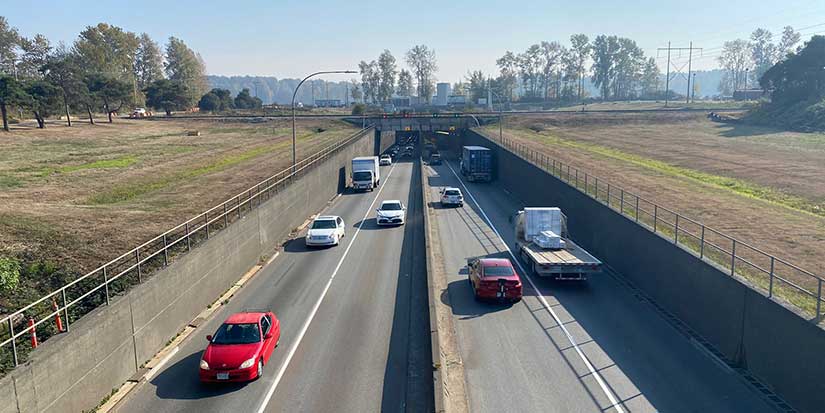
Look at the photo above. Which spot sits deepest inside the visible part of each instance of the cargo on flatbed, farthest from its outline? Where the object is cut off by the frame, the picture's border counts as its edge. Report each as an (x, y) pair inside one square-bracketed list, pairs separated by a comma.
[(570, 262)]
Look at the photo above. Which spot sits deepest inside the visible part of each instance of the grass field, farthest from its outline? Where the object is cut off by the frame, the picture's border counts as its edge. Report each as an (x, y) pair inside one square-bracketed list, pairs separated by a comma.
[(763, 186), (73, 198)]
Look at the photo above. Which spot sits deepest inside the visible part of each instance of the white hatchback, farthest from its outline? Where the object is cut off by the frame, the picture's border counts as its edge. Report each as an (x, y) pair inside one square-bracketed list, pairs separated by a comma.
[(325, 230), (391, 212), (385, 160)]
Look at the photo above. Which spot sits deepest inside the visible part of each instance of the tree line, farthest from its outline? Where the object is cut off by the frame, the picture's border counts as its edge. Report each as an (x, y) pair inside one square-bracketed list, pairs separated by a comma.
[(106, 69), (381, 79), (745, 61)]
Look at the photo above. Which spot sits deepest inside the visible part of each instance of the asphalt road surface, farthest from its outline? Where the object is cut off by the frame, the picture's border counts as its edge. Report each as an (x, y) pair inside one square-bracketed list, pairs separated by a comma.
[(568, 347), (355, 329)]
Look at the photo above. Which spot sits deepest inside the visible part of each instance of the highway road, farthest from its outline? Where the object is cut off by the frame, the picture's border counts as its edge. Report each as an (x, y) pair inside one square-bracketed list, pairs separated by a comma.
[(355, 327), (597, 346)]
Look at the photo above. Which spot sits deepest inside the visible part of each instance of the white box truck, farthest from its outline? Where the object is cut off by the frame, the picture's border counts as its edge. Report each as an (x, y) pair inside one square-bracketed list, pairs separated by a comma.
[(365, 173), (542, 242)]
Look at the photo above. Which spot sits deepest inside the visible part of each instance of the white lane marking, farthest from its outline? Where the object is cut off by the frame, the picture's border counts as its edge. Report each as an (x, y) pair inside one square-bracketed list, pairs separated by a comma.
[(317, 305), (160, 364), (596, 375)]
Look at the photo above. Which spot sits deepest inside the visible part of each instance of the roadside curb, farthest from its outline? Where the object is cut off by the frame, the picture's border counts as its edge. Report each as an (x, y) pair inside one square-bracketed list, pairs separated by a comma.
[(448, 368)]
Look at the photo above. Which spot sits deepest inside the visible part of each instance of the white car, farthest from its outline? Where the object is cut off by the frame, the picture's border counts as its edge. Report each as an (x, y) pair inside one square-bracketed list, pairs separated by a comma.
[(452, 196), (391, 212), (385, 160), (325, 230)]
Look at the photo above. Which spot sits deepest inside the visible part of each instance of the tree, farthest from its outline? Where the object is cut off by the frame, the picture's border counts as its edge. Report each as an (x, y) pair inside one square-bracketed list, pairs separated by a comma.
[(422, 61), (405, 83), (628, 64), (185, 66), (167, 95), (370, 80), (579, 53), (355, 90), (508, 68), (209, 102), (148, 61), (650, 79), (107, 50), (9, 42), (62, 70), (35, 54), (604, 51), (530, 65), (800, 77), (44, 100), (552, 54), (763, 51), (245, 100), (225, 101), (11, 93), (477, 85), (113, 93), (387, 70), (736, 60), (789, 40)]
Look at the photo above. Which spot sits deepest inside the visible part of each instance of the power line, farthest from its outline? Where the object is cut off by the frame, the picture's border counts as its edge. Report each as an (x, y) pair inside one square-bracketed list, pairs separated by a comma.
[(670, 50)]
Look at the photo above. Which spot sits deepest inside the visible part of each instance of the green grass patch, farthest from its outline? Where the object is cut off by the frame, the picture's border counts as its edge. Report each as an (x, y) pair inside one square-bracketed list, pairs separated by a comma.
[(122, 162), (9, 182), (734, 185)]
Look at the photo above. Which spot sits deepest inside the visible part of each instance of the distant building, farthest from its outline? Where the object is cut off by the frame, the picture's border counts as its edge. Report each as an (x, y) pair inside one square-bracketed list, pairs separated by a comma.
[(749, 94), (457, 100), (328, 103), (442, 93), (405, 102)]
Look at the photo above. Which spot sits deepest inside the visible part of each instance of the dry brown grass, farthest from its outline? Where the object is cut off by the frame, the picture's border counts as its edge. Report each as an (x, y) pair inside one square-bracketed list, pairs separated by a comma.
[(81, 195), (763, 186)]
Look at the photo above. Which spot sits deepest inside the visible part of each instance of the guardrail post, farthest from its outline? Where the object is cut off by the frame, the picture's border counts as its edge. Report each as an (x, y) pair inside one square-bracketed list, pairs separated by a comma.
[(553, 168), (13, 342), (702, 246), (65, 308), (818, 296), (137, 261), (188, 244), (770, 279), (586, 185), (568, 172), (165, 251), (239, 202), (597, 187), (106, 284), (225, 219), (577, 178), (676, 231), (621, 201), (206, 221), (655, 216), (637, 208), (733, 258), (608, 194)]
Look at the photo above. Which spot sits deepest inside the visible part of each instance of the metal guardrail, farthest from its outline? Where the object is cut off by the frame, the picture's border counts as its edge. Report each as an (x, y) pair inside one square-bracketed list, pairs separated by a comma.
[(97, 287), (772, 275)]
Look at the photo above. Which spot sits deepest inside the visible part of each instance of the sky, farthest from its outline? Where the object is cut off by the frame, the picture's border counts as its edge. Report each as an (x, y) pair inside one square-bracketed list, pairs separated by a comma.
[(294, 38)]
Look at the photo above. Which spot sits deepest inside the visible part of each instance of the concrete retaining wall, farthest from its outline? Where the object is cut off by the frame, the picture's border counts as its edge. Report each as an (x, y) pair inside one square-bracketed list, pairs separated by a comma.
[(73, 372), (774, 344)]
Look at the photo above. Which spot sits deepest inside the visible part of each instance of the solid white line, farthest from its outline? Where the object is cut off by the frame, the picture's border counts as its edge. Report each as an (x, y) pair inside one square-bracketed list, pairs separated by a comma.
[(596, 375), (160, 364), (317, 305)]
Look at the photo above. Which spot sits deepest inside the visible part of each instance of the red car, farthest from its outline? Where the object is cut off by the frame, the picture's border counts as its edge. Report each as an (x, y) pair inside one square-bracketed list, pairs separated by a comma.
[(240, 348), (494, 278)]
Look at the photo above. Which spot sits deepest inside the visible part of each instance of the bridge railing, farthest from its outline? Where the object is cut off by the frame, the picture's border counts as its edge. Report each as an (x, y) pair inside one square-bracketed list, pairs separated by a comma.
[(773, 276), (80, 296)]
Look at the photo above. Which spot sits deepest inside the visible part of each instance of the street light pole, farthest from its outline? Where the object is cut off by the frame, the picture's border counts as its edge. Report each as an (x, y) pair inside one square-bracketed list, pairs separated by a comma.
[(294, 94)]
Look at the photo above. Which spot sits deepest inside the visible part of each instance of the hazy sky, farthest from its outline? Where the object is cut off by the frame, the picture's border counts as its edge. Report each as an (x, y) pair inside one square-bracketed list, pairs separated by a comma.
[(293, 38)]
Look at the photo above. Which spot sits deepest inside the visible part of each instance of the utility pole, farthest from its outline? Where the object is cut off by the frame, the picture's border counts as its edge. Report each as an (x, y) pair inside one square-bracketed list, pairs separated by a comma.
[(693, 91), (678, 69)]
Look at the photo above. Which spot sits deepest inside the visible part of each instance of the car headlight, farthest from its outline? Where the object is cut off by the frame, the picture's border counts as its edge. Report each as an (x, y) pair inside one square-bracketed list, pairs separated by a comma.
[(204, 365), (247, 364)]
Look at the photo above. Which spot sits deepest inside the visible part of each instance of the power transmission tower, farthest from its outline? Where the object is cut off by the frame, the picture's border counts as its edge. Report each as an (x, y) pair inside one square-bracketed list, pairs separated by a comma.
[(678, 69)]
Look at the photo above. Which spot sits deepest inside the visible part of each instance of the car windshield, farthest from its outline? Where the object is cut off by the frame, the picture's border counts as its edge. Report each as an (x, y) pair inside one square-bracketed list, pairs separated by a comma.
[(237, 334), (452, 192), (391, 207), (362, 176), (497, 271), (323, 224)]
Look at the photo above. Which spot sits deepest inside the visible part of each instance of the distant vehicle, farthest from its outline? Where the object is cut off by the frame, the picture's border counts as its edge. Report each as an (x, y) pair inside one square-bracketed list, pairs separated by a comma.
[(407, 152), (140, 113), (391, 212), (542, 242), (477, 163), (325, 230), (435, 159), (494, 279), (240, 348), (365, 173), (452, 196), (385, 160)]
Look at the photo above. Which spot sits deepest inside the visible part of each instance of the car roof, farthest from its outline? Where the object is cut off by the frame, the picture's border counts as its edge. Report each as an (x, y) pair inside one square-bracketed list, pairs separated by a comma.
[(391, 201), (326, 218), (448, 188), (495, 262), (244, 318)]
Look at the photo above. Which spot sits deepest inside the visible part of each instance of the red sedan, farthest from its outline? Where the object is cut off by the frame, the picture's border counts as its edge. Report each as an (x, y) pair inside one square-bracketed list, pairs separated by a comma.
[(494, 278), (240, 348)]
